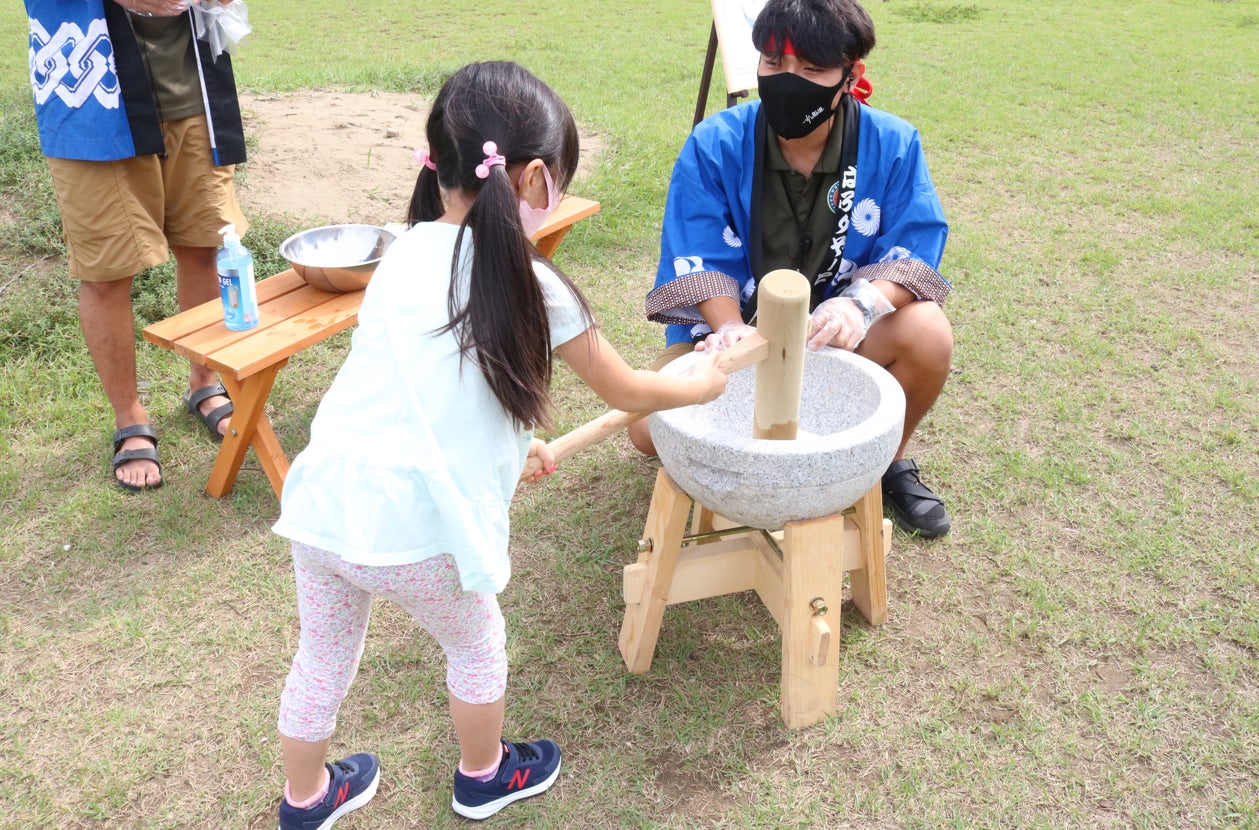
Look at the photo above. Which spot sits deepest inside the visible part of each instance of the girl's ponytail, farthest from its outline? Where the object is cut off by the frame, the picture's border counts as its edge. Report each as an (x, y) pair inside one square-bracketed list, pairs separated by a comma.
[(482, 111), (504, 319), (426, 199)]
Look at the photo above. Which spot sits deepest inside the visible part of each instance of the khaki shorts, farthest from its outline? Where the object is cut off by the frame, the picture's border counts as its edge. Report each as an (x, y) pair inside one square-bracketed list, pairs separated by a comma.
[(119, 217), (671, 354)]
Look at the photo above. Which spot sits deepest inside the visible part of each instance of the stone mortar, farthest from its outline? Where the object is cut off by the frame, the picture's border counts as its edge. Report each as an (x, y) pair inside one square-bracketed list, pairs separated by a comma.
[(851, 415)]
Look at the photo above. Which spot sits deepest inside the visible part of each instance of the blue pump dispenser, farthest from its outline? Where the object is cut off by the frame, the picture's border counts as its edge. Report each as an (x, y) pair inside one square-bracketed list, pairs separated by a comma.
[(236, 282)]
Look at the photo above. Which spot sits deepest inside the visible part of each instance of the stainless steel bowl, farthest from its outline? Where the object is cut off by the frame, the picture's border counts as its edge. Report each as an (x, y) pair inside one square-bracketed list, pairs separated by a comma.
[(337, 258)]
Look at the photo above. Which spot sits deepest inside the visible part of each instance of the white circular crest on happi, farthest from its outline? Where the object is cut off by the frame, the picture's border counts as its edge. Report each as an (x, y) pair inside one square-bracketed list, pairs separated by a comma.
[(865, 217)]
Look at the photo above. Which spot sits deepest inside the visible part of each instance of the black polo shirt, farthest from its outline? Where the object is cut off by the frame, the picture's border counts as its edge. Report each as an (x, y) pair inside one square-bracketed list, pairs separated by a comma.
[(795, 208)]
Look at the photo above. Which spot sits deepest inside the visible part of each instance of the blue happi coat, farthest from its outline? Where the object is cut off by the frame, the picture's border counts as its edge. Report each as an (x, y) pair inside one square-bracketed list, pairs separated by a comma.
[(709, 221), (92, 97)]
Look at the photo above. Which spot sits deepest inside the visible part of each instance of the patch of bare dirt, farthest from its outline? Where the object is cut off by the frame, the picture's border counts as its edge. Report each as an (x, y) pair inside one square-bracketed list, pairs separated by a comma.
[(327, 156)]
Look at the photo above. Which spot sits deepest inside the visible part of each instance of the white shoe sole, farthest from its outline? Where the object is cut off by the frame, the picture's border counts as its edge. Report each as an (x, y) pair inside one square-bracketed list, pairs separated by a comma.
[(490, 808)]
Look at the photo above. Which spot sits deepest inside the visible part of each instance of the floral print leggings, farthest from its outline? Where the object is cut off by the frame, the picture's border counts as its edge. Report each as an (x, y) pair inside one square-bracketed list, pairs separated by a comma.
[(334, 600)]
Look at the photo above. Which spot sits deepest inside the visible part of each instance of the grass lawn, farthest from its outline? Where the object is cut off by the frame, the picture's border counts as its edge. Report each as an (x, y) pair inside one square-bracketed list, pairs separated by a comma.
[(1081, 651)]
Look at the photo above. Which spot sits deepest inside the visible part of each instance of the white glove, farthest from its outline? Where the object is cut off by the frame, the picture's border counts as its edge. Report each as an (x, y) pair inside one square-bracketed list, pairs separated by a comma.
[(726, 335), (843, 321)]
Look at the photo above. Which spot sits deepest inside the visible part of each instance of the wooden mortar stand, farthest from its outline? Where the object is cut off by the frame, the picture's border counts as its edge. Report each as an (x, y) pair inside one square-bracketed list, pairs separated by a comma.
[(797, 572)]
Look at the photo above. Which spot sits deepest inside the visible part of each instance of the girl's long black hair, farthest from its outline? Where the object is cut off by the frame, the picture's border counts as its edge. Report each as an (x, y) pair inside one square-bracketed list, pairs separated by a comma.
[(504, 322)]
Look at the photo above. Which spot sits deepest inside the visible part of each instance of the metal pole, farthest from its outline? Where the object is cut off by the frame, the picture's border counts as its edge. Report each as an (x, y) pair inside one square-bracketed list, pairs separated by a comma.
[(706, 80)]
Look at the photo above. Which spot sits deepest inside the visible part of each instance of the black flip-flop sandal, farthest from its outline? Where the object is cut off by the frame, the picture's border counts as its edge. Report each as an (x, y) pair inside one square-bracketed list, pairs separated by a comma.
[(122, 456), (193, 400)]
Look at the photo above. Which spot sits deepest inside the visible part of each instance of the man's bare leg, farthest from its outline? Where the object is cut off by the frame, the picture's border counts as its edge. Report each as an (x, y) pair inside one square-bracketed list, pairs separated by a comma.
[(109, 330), (915, 345), (196, 282)]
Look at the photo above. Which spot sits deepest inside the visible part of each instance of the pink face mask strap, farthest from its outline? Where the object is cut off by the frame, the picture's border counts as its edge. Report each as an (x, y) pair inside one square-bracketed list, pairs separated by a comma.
[(546, 175)]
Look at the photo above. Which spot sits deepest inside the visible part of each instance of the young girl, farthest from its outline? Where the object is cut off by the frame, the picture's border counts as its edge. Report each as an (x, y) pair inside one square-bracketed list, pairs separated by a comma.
[(404, 489)]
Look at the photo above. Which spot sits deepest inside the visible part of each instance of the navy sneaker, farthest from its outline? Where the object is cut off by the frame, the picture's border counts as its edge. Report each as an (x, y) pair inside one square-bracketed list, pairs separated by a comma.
[(352, 783), (525, 770)]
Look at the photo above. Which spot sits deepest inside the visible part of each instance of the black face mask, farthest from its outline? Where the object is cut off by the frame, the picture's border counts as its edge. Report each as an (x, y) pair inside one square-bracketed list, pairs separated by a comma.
[(795, 106)]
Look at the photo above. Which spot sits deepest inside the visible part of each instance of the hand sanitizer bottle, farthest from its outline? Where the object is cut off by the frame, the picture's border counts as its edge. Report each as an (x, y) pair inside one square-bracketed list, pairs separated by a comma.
[(236, 282)]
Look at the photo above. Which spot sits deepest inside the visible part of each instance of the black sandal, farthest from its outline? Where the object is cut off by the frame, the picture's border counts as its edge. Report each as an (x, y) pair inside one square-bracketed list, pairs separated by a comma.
[(916, 509), (193, 400), (122, 456)]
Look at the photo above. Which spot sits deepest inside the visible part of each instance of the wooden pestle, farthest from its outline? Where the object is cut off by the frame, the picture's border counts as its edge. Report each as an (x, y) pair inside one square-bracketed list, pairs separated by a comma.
[(747, 352), (783, 317)]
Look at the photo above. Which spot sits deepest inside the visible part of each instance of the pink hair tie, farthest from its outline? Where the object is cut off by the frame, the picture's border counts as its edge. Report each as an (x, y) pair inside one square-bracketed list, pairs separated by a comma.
[(422, 157), (491, 158)]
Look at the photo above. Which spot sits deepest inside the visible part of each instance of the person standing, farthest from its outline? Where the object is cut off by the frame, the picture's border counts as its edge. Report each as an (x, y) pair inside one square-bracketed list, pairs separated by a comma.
[(141, 129), (415, 452)]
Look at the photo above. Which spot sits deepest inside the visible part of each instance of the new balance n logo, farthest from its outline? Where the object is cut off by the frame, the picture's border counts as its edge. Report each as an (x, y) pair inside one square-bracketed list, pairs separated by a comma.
[(518, 779)]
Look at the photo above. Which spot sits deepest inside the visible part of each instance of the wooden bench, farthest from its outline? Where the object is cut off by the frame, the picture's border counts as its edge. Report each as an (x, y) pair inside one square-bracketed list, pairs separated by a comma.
[(292, 317)]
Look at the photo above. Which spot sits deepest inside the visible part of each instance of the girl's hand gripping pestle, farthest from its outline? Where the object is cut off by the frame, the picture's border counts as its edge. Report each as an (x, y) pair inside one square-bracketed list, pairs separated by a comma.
[(747, 352)]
